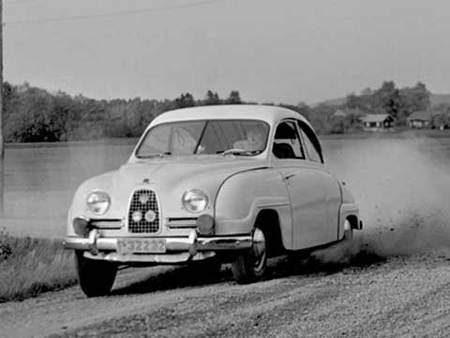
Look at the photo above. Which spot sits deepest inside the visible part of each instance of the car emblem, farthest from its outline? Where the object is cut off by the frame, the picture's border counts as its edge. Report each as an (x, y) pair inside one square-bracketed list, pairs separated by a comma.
[(146, 181), (150, 216), (144, 198)]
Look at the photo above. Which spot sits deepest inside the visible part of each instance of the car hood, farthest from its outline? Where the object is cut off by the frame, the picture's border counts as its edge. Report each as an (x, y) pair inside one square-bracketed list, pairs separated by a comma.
[(172, 171), (169, 177)]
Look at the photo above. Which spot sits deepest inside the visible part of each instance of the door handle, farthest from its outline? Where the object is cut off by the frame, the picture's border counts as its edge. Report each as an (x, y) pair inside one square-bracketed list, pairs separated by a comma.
[(288, 176)]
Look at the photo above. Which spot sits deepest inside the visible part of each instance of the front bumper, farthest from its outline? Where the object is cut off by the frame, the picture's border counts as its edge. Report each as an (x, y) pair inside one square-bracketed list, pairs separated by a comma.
[(178, 249)]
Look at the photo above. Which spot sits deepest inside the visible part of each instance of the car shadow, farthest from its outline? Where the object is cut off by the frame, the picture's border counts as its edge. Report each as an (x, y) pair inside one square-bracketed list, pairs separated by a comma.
[(329, 260), (169, 278), (321, 262)]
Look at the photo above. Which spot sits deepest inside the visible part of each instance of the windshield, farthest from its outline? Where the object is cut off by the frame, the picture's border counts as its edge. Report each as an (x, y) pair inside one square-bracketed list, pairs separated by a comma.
[(239, 137)]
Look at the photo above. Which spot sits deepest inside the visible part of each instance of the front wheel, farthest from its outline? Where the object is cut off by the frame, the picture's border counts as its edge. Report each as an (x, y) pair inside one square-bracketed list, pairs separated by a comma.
[(96, 277), (250, 266)]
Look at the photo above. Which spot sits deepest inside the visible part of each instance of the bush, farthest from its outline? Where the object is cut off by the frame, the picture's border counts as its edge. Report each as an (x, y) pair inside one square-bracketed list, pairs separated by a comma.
[(30, 266)]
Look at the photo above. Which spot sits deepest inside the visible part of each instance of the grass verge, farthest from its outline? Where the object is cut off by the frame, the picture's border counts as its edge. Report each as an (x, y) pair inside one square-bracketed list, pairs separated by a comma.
[(30, 266)]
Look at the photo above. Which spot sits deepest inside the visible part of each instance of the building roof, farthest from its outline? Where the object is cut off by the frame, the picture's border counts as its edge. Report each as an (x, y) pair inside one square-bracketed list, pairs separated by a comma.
[(339, 113), (420, 115), (377, 118)]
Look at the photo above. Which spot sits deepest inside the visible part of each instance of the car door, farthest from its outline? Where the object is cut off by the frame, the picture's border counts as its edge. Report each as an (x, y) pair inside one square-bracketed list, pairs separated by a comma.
[(307, 186), (328, 182)]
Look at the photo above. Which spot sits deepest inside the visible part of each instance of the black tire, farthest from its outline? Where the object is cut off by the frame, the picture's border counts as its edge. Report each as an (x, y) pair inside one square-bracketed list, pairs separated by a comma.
[(250, 266), (96, 277), (348, 235)]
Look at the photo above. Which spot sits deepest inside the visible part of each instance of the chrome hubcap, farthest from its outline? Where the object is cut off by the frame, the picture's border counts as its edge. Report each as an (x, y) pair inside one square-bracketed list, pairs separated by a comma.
[(259, 249)]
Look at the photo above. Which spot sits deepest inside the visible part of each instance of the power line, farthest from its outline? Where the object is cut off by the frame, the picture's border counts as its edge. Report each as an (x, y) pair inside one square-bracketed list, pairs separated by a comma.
[(114, 14)]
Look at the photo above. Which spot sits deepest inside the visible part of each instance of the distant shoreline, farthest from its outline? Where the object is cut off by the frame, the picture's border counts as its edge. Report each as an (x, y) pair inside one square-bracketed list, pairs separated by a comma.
[(403, 133), (111, 141)]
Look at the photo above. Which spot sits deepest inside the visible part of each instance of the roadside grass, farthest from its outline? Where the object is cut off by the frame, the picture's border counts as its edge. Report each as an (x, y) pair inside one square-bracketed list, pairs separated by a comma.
[(30, 266)]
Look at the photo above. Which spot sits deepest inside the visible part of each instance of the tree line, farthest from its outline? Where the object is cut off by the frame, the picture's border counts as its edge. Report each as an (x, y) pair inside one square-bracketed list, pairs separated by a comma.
[(33, 114)]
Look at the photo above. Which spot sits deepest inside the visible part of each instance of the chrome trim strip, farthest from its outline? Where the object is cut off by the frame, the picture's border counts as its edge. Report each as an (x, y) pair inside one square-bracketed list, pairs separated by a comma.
[(274, 205), (181, 222), (107, 223), (183, 226)]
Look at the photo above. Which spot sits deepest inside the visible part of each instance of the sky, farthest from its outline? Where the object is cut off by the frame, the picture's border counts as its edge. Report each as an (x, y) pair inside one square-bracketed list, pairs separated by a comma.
[(287, 51)]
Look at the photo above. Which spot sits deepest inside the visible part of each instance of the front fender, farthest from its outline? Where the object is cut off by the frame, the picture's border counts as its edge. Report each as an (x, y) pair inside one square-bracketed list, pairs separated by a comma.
[(78, 206), (242, 196)]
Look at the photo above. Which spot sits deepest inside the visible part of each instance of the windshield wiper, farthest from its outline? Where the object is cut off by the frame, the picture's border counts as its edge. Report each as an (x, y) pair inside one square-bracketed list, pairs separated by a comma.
[(237, 151)]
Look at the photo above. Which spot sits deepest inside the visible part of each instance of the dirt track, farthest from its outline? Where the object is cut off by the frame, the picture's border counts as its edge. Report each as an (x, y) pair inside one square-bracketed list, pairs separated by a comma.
[(368, 297)]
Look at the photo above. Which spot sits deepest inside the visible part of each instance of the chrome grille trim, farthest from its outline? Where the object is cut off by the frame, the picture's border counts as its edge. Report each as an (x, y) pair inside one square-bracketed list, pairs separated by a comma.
[(143, 226), (107, 223), (182, 222)]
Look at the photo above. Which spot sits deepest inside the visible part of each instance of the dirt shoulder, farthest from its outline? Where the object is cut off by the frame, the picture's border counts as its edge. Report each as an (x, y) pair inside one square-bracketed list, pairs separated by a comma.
[(400, 296)]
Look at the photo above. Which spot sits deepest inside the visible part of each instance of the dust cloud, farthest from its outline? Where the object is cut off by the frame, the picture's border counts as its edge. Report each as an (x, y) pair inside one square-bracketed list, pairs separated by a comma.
[(403, 189)]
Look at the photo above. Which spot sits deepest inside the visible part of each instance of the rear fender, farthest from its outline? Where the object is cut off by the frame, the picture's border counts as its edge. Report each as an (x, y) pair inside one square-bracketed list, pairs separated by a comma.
[(349, 210)]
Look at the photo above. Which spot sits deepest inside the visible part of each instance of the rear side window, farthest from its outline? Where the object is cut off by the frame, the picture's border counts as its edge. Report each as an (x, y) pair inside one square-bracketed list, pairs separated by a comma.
[(311, 143), (287, 143)]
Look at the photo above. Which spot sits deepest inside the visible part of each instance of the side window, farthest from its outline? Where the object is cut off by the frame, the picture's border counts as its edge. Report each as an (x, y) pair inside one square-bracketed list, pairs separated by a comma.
[(287, 143), (313, 148)]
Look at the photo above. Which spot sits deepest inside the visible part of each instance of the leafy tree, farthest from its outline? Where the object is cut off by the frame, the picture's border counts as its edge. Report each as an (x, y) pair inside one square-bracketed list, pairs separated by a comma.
[(400, 103), (415, 98), (211, 98), (234, 98), (185, 100), (388, 98)]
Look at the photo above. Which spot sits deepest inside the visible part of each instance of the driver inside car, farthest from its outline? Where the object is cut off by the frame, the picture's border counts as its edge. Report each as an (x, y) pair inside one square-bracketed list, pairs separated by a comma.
[(254, 141)]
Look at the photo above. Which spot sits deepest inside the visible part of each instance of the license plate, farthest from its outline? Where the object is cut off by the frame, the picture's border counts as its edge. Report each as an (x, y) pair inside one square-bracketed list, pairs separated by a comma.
[(136, 245)]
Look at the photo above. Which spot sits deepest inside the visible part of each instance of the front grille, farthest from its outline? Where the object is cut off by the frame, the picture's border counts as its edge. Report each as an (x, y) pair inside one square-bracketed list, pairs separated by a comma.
[(143, 203)]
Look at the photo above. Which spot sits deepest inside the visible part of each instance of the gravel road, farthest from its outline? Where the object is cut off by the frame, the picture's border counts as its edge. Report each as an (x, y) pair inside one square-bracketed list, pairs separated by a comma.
[(368, 296)]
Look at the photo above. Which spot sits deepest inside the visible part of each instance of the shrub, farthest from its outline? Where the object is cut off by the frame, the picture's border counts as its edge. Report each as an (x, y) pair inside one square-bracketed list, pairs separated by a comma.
[(30, 266)]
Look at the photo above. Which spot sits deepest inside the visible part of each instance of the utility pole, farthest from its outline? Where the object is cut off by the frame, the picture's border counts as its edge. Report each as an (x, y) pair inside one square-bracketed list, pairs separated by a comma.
[(2, 145), (2, 150)]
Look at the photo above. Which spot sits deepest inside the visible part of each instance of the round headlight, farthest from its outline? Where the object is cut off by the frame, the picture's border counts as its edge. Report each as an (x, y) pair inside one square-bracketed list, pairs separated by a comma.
[(195, 200), (98, 202)]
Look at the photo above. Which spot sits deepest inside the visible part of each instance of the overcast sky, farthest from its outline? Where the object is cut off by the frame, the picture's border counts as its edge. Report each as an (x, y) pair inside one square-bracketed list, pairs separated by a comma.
[(270, 50)]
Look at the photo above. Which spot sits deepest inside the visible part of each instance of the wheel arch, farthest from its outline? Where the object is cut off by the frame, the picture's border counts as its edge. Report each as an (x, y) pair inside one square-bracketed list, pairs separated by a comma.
[(268, 220), (350, 213), (353, 220), (243, 199)]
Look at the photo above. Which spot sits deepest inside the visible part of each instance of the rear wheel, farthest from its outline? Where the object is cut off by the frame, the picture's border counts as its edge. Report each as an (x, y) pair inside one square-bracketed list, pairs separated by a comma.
[(96, 277), (250, 266)]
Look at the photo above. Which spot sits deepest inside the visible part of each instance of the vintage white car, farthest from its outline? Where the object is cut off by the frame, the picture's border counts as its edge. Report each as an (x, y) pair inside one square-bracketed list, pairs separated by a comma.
[(229, 183)]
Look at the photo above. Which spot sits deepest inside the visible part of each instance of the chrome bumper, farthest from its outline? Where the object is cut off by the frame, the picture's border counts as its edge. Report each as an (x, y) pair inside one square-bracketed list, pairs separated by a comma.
[(178, 250)]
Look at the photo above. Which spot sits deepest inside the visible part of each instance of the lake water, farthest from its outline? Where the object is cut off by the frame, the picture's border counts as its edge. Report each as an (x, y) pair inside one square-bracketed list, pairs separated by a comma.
[(40, 180)]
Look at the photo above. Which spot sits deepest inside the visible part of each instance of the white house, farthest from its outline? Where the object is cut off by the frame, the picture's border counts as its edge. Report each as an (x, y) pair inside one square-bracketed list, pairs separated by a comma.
[(377, 122)]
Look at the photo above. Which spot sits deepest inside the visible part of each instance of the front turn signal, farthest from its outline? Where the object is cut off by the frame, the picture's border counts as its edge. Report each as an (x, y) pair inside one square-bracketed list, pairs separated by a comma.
[(205, 225)]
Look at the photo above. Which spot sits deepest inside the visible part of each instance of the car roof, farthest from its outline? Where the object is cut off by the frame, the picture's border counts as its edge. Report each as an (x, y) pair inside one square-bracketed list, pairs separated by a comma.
[(270, 114)]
